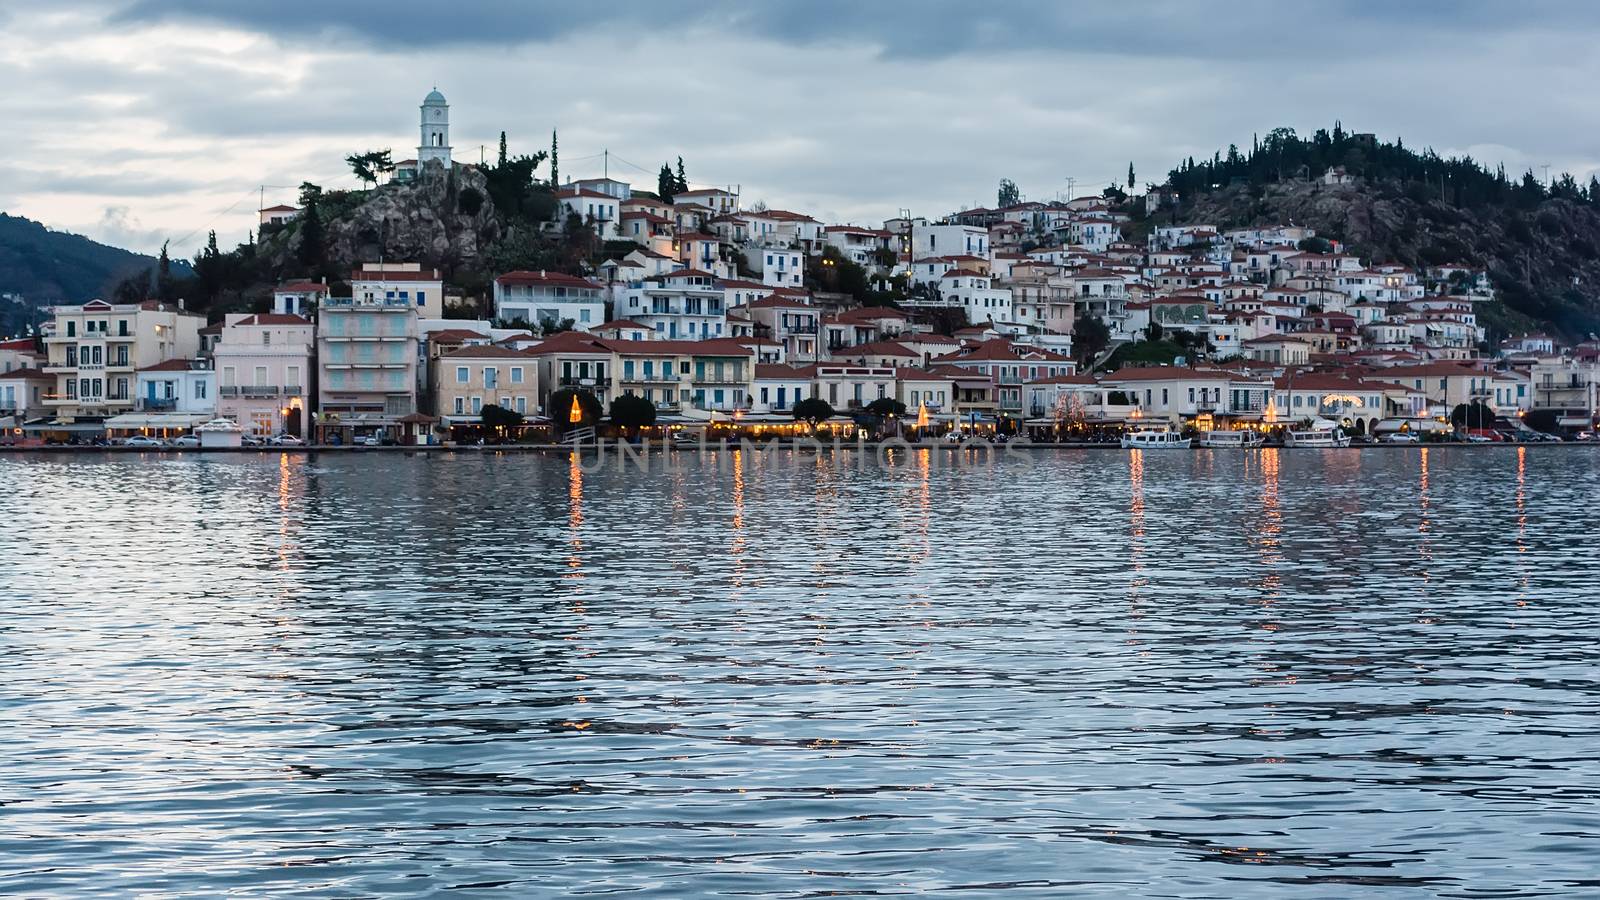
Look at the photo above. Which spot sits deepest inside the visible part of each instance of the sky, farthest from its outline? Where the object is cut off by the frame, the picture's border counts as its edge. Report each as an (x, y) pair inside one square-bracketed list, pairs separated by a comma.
[(139, 121)]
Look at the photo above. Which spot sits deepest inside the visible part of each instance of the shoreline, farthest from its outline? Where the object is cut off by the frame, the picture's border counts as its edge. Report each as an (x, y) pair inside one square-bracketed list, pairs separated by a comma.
[(612, 447)]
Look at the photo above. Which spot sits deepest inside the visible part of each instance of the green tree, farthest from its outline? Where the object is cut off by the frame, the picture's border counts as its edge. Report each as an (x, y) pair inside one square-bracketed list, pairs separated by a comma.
[(1315, 245), (555, 162), (501, 159), (666, 185), (371, 165), (1130, 175), (631, 412), (681, 182), (884, 407), (813, 410), (1090, 336), (499, 419), (312, 247), (1472, 416), (1008, 194), (469, 201), (559, 409)]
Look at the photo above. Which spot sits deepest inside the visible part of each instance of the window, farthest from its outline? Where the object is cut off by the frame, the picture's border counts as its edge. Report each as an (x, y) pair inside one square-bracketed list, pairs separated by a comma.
[(72, 389), (477, 405), (491, 377), (461, 405), (266, 338), (72, 328), (462, 377), (516, 374), (261, 376), (199, 390), (522, 405)]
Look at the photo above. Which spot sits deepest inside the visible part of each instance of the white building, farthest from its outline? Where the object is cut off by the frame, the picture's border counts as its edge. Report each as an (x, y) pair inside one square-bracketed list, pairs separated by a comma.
[(948, 240), (780, 267), (297, 298), (548, 298), (94, 351), (599, 210), (407, 283), (687, 304), (185, 386)]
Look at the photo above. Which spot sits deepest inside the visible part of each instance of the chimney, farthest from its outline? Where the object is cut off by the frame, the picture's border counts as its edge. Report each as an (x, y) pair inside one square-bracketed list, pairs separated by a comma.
[(180, 304)]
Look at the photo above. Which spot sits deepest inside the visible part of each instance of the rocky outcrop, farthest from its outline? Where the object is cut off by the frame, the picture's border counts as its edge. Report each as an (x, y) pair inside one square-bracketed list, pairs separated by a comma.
[(443, 219)]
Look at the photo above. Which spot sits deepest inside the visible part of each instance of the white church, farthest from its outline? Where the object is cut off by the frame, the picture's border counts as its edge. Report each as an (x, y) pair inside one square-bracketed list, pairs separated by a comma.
[(435, 144)]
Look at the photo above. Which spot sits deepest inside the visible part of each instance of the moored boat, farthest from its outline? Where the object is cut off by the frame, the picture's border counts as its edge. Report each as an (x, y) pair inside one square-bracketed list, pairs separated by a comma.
[(1155, 440), (1221, 440), (1322, 433)]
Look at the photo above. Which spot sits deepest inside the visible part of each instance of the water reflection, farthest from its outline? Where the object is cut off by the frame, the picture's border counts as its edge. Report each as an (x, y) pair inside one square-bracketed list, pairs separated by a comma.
[(1195, 675)]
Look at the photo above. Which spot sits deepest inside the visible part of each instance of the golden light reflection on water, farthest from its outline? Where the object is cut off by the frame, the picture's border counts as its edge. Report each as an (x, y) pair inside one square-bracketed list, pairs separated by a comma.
[(1425, 525), (736, 544), (1523, 575), (1136, 524), (575, 516), (1270, 542)]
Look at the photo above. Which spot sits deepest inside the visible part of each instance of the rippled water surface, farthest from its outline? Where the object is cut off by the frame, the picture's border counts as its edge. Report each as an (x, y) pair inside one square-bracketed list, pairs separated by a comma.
[(1209, 674)]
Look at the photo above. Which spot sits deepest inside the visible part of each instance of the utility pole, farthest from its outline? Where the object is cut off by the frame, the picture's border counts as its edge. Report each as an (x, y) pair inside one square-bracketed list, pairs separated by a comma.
[(1070, 182), (1546, 168), (481, 150), (605, 167)]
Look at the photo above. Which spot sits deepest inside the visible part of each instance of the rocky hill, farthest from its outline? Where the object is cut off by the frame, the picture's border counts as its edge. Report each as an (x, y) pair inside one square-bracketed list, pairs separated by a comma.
[(1538, 240), (444, 219), (1544, 260)]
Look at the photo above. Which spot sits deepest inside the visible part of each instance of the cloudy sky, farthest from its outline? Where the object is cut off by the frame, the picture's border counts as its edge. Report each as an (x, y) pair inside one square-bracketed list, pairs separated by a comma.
[(135, 121)]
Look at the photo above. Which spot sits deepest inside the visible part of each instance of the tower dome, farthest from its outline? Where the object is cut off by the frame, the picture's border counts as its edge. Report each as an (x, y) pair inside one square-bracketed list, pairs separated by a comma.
[(435, 131)]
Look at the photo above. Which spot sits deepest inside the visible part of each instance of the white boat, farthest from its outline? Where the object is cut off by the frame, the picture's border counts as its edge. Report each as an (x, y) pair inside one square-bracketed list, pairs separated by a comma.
[(1237, 440), (1155, 440), (1322, 433)]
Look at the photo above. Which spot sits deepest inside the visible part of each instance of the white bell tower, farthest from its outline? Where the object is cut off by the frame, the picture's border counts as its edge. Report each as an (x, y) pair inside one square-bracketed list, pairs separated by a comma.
[(435, 130)]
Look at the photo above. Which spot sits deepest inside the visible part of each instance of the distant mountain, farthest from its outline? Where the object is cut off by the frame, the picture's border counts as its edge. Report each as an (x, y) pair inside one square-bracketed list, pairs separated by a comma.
[(48, 266)]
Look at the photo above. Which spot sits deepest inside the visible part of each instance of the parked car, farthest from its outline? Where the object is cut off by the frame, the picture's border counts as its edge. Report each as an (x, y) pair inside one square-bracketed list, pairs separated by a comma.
[(1400, 437), (285, 440), (250, 439), (1486, 434), (185, 440), (1583, 436), (140, 440), (370, 440), (1476, 439)]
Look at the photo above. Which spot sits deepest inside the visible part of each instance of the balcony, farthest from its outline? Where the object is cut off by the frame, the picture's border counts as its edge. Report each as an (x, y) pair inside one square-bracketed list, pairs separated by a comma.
[(581, 380), (250, 391), (158, 404)]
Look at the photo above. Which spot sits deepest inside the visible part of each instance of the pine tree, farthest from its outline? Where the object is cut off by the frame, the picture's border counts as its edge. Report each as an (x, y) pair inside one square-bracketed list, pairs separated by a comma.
[(682, 182), (666, 185), (1130, 175), (502, 161), (555, 161)]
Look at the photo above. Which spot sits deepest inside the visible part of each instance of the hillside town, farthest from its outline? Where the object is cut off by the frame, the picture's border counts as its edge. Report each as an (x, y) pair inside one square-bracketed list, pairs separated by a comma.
[(1033, 318)]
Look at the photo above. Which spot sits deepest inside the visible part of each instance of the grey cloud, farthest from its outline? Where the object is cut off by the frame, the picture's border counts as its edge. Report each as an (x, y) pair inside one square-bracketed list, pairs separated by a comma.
[(931, 28)]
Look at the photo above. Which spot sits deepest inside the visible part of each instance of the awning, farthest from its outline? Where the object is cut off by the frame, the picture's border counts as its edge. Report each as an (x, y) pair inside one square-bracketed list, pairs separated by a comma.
[(156, 420), (84, 427)]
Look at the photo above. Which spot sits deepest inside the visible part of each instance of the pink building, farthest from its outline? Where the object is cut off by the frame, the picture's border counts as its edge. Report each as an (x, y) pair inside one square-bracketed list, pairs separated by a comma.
[(264, 364)]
